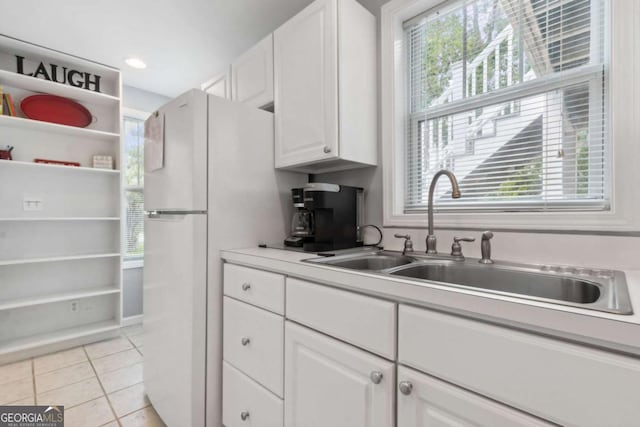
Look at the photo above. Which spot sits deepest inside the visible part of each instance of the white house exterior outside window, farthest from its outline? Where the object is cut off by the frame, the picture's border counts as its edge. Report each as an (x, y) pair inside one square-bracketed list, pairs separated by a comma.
[(522, 100)]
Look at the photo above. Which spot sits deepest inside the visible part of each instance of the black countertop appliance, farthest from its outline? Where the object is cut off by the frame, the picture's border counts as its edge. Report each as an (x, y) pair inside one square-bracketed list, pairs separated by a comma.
[(337, 212)]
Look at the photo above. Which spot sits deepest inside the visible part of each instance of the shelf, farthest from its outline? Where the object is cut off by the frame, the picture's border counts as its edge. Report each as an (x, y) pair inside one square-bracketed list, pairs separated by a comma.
[(56, 128), (38, 340), (61, 219), (71, 169), (57, 259), (65, 296), (8, 78), (77, 236)]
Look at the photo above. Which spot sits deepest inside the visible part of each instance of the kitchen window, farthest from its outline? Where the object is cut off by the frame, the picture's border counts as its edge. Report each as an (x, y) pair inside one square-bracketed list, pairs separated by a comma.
[(516, 98), (133, 197)]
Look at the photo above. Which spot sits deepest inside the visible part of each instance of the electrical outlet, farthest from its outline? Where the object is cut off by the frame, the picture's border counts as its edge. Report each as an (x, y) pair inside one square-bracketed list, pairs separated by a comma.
[(32, 203), (75, 306)]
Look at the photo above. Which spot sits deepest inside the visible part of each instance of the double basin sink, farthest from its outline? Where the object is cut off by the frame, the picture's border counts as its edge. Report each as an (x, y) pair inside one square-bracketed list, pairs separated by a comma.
[(594, 289)]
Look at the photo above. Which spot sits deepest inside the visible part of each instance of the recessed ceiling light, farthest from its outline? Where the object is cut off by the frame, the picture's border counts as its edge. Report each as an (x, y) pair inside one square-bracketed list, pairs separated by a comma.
[(136, 63)]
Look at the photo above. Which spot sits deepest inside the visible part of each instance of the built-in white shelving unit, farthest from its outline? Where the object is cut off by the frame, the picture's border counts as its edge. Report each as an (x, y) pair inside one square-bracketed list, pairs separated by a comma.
[(60, 227)]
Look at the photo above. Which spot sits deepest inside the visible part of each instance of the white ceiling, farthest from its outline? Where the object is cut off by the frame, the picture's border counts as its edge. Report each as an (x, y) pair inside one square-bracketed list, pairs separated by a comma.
[(183, 42)]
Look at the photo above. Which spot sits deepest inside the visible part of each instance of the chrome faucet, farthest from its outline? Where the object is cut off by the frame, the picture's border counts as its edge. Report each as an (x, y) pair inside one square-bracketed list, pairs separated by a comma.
[(485, 248), (455, 194)]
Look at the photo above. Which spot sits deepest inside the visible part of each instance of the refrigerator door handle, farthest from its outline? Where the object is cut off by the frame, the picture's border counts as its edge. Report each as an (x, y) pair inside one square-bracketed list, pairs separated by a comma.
[(173, 213)]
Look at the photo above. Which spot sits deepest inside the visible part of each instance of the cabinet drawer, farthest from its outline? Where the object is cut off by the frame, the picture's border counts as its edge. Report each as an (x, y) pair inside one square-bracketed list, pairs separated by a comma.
[(366, 322), (256, 287), (254, 343), (244, 398), (562, 382)]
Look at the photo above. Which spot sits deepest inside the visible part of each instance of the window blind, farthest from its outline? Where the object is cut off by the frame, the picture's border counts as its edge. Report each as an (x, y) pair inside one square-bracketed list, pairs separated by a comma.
[(135, 222), (133, 189), (510, 96)]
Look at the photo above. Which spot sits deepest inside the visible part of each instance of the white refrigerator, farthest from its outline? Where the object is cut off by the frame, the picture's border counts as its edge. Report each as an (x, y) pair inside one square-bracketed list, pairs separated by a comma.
[(210, 185)]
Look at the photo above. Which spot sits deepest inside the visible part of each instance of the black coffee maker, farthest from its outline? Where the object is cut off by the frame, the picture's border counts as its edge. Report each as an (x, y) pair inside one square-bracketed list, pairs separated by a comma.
[(336, 212)]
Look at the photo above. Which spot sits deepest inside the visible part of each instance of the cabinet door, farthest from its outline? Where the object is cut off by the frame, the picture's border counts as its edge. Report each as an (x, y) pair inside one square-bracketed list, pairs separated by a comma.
[(306, 86), (219, 85), (330, 383), (252, 75), (425, 401)]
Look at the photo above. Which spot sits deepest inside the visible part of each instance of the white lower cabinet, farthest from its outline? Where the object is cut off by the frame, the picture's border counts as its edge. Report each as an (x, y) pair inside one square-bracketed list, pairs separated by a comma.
[(247, 403), (565, 383), (452, 371), (253, 346), (425, 401), (330, 383)]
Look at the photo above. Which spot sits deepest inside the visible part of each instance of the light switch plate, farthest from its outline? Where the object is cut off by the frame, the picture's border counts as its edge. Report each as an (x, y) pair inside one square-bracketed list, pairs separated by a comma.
[(32, 203)]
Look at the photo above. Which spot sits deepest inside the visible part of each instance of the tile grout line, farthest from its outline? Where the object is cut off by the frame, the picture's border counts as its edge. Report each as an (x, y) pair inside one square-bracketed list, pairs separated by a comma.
[(117, 420), (65, 367), (134, 345)]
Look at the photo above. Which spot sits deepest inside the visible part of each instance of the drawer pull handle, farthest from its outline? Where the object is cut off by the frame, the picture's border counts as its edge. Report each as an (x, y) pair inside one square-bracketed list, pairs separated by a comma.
[(246, 286), (376, 377), (245, 341), (405, 387), (244, 415)]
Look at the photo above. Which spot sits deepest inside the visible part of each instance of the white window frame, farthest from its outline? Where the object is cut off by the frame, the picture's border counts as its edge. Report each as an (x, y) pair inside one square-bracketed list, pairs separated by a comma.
[(128, 261), (622, 37)]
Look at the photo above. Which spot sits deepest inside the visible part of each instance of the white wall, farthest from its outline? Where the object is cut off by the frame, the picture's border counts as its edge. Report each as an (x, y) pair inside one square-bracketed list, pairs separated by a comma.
[(142, 100), (593, 250), (132, 292)]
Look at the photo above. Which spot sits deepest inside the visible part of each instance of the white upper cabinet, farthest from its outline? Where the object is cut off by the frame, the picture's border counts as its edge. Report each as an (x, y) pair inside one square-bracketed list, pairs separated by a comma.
[(220, 85), (330, 383), (252, 75), (325, 88)]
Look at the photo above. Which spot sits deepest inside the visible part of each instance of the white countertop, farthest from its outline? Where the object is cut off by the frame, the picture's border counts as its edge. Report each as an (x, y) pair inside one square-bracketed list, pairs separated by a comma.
[(614, 331)]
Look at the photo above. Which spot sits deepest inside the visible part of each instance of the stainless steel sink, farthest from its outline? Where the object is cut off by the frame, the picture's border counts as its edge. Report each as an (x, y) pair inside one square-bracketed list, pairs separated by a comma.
[(370, 261), (503, 280), (601, 290)]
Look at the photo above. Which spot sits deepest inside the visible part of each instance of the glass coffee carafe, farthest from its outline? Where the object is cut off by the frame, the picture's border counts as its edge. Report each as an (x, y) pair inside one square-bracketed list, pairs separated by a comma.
[(301, 222)]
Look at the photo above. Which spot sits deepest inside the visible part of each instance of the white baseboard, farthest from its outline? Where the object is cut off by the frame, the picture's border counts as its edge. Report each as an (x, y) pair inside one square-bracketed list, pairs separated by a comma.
[(132, 320)]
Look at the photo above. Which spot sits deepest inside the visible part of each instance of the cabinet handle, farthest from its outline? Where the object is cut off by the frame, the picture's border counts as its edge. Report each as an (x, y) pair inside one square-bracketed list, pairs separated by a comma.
[(376, 377), (245, 341), (244, 415), (405, 387), (246, 286), (326, 149)]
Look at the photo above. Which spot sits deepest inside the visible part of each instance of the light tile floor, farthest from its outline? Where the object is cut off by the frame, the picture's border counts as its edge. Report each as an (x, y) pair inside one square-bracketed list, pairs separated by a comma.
[(99, 384)]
